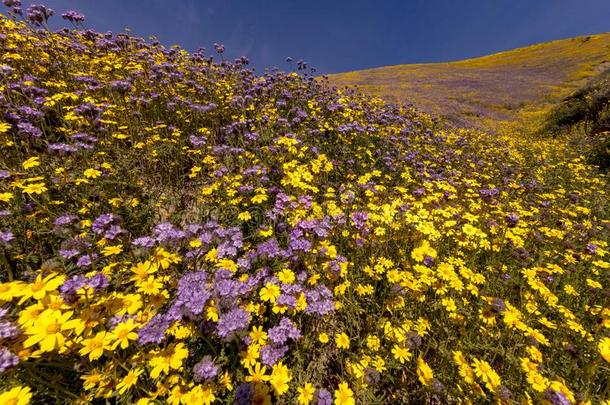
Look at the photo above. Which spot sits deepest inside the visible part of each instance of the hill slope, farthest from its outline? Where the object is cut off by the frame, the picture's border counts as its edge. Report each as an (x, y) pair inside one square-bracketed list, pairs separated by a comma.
[(504, 87)]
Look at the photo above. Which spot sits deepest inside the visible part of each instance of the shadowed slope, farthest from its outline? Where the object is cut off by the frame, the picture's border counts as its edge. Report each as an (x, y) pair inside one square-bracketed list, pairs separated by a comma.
[(497, 89)]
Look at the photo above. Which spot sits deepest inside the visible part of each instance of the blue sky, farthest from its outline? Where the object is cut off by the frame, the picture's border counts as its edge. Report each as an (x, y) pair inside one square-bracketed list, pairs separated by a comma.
[(338, 35)]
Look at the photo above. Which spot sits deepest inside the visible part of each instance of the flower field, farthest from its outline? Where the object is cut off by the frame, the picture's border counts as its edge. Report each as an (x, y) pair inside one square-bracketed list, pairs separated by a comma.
[(176, 229)]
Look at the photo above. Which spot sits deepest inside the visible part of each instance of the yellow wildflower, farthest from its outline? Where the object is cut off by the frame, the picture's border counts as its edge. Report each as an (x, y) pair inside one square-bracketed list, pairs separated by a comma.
[(19, 395), (344, 395), (342, 341)]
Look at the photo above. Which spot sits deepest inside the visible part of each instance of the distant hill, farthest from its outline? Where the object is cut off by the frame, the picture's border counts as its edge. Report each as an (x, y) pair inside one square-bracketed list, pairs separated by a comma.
[(509, 87)]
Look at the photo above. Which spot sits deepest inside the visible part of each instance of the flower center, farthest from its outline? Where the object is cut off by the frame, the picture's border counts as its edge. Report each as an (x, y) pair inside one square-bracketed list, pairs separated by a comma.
[(53, 328), (37, 286)]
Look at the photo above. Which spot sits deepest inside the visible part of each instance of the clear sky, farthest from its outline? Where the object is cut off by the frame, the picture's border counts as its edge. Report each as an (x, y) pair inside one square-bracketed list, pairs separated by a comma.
[(344, 35)]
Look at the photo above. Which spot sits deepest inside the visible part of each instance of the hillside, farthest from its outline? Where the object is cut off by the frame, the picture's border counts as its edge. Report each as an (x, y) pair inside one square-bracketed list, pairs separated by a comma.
[(585, 115), (517, 86), (176, 229)]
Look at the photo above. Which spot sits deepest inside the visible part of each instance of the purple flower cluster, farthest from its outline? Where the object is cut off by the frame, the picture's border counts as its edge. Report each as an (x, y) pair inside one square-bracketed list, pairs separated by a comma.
[(284, 331), (8, 360), (244, 394), (324, 397), (591, 249), (192, 295), (271, 354), (270, 249), (15, 4), (228, 241), (80, 142), (84, 141), (205, 369), (234, 321), (154, 331), (168, 234), (359, 219), (72, 247), (512, 220), (73, 17), (27, 130), (8, 331), (302, 234), (39, 14), (144, 242), (556, 397), (319, 301), (69, 289), (6, 237), (489, 193), (87, 260), (61, 149), (107, 226), (65, 225)]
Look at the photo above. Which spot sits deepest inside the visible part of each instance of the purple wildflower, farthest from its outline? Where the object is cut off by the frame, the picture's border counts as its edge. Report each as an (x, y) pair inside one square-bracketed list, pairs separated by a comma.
[(284, 331), (205, 369), (359, 219), (86, 260), (269, 248), (244, 394), (287, 300), (69, 253), (61, 148), (498, 305), (65, 219), (8, 330), (101, 223), (114, 232), (231, 322), (556, 397), (168, 233), (144, 242), (591, 249), (39, 14), (7, 360), (193, 293), (298, 241), (512, 220), (6, 236), (73, 17), (98, 282), (319, 301), (271, 354), (154, 330), (324, 397), (69, 288)]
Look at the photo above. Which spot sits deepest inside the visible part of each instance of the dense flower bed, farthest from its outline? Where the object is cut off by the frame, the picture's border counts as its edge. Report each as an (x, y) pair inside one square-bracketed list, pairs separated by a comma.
[(175, 229)]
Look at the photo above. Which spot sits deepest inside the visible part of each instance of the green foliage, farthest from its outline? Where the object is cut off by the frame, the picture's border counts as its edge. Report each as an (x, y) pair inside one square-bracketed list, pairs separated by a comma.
[(586, 111)]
